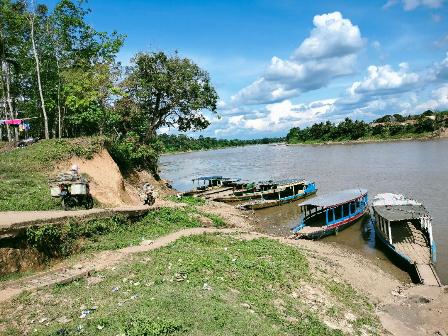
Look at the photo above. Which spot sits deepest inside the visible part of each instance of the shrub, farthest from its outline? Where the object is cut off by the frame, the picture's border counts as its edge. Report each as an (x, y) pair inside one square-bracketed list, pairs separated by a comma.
[(129, 153)]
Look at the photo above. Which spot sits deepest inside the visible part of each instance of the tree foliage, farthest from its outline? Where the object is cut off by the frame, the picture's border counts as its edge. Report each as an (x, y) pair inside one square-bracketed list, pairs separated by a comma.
[(161, 90)]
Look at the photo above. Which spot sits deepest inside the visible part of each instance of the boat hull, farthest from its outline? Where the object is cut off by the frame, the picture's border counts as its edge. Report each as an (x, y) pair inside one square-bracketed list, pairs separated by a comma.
[(273, 203), (333, 229), (401, 259)]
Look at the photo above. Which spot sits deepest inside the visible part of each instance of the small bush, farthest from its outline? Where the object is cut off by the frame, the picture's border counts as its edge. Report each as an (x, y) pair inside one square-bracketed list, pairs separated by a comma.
[(129, 153), (190, 200)]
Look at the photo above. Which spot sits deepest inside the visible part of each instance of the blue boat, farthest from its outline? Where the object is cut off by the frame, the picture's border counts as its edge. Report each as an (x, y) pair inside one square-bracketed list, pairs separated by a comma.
[(404, 227), (331, 213)]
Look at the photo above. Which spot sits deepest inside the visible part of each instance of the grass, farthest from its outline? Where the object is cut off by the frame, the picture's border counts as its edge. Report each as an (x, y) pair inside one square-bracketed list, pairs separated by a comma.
[(201, 285), (24, 172), (156, 224), (76, 238), (190, 200)]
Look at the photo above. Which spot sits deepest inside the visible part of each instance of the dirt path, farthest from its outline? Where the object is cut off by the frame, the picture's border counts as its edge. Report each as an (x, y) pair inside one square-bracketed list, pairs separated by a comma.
[(101, 261)]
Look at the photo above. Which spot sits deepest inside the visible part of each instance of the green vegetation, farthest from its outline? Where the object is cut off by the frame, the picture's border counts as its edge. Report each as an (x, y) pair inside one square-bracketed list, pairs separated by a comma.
[(183, 143), (62, 75), (74, 237), (24, 172), (387, 127), (190, 200), (201, 285)]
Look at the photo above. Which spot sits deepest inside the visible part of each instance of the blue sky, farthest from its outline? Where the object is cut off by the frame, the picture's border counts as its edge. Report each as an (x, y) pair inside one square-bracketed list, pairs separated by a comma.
[(283, 63)]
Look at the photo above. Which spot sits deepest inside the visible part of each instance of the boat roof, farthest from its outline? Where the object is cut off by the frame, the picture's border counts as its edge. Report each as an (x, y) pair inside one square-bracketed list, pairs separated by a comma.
[(393, 199), (213, 177), (335, 198), (394, 213), (281, 182)]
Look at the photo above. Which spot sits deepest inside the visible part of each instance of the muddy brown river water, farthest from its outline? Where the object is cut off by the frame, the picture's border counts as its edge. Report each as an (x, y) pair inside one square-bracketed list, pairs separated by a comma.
[(417, 169)]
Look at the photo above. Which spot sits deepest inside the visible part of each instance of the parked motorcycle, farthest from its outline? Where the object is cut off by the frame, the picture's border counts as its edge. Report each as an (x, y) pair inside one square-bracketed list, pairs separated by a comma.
[(148, 196), (70, 200)]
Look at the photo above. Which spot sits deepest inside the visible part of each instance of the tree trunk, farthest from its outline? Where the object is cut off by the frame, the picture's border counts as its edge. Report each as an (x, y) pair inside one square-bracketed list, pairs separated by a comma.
[(5, 108), (12, 115), (59, 100), (36, 58)]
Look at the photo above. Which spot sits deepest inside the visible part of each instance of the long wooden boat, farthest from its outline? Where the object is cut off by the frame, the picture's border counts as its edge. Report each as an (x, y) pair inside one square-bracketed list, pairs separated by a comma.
[(282, 195), (263, 190), (331, 213), (211, 184), (404, 227)]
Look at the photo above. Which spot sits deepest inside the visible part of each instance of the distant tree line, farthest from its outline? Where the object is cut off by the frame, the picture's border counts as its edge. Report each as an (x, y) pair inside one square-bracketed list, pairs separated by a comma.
[(388, 126), (181, 142)]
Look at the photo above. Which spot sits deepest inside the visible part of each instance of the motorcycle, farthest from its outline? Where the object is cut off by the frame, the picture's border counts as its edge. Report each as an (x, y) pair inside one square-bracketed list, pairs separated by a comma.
[(70, 200), (148, 196)]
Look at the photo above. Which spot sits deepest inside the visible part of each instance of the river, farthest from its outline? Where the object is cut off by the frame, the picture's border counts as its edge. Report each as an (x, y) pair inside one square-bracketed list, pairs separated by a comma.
[(417, 169)]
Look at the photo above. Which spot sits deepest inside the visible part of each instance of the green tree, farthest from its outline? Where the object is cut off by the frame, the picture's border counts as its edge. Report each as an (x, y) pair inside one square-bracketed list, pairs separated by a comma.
[(164, 90)]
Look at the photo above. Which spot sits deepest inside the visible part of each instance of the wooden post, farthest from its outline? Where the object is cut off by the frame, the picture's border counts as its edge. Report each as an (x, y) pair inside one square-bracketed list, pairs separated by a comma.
[(390, 232)]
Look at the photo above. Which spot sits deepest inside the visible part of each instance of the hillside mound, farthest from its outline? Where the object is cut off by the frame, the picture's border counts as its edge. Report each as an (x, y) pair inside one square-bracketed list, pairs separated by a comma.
[(106, 182)]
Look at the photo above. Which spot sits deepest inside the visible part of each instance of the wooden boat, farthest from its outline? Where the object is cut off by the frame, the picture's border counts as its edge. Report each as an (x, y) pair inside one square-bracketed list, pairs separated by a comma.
[(283, 194), (404, 227), (211, 184), (263, 190), (328, 214)]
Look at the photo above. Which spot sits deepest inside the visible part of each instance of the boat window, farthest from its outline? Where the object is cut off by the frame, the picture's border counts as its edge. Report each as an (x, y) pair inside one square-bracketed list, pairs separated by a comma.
[(357, 204), (338, 213), (345, 208), (330, 216), (352, 207)]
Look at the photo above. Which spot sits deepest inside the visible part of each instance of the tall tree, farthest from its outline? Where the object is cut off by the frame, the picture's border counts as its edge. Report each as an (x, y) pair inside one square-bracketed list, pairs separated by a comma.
[(31, 20), (162, 90)]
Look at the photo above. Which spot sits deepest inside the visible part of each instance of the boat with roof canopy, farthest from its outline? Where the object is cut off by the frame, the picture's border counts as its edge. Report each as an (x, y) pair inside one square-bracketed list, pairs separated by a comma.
[(285, 191), (404, 226), (207, 185), (288, 189), (331, 213)]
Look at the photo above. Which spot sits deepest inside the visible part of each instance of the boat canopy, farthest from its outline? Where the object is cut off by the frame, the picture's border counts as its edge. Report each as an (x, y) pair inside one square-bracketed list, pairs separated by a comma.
[(401, 212), (280, 182), (208, 178), (335, 199)]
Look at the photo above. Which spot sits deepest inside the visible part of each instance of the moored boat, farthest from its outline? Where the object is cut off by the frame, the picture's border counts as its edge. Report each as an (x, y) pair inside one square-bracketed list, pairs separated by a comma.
[(331, 213), (285, 193), (212, 184), (404, 227), (264, 190)]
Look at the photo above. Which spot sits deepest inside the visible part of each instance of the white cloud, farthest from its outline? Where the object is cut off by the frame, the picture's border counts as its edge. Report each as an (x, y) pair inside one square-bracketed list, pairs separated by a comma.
[(332, 36), (282, 116), (385, 80), (438, 102), (440, 71), (329, 52), (409, 5)]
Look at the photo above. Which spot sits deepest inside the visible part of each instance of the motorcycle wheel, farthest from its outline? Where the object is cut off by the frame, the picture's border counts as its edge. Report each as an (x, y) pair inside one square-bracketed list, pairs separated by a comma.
[(68, 203), (88, 202)]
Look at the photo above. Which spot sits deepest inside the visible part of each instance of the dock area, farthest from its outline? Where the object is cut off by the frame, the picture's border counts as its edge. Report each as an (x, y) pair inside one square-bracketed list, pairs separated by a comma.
[(427, 275)]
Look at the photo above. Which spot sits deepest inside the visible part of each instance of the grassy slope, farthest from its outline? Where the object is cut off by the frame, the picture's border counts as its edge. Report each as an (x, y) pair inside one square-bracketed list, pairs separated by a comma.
[(79, 240), (202, 285), (24, 172)]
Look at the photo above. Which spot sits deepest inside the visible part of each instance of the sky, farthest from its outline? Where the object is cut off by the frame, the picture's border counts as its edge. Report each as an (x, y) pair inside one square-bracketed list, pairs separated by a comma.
[(278, 64)]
